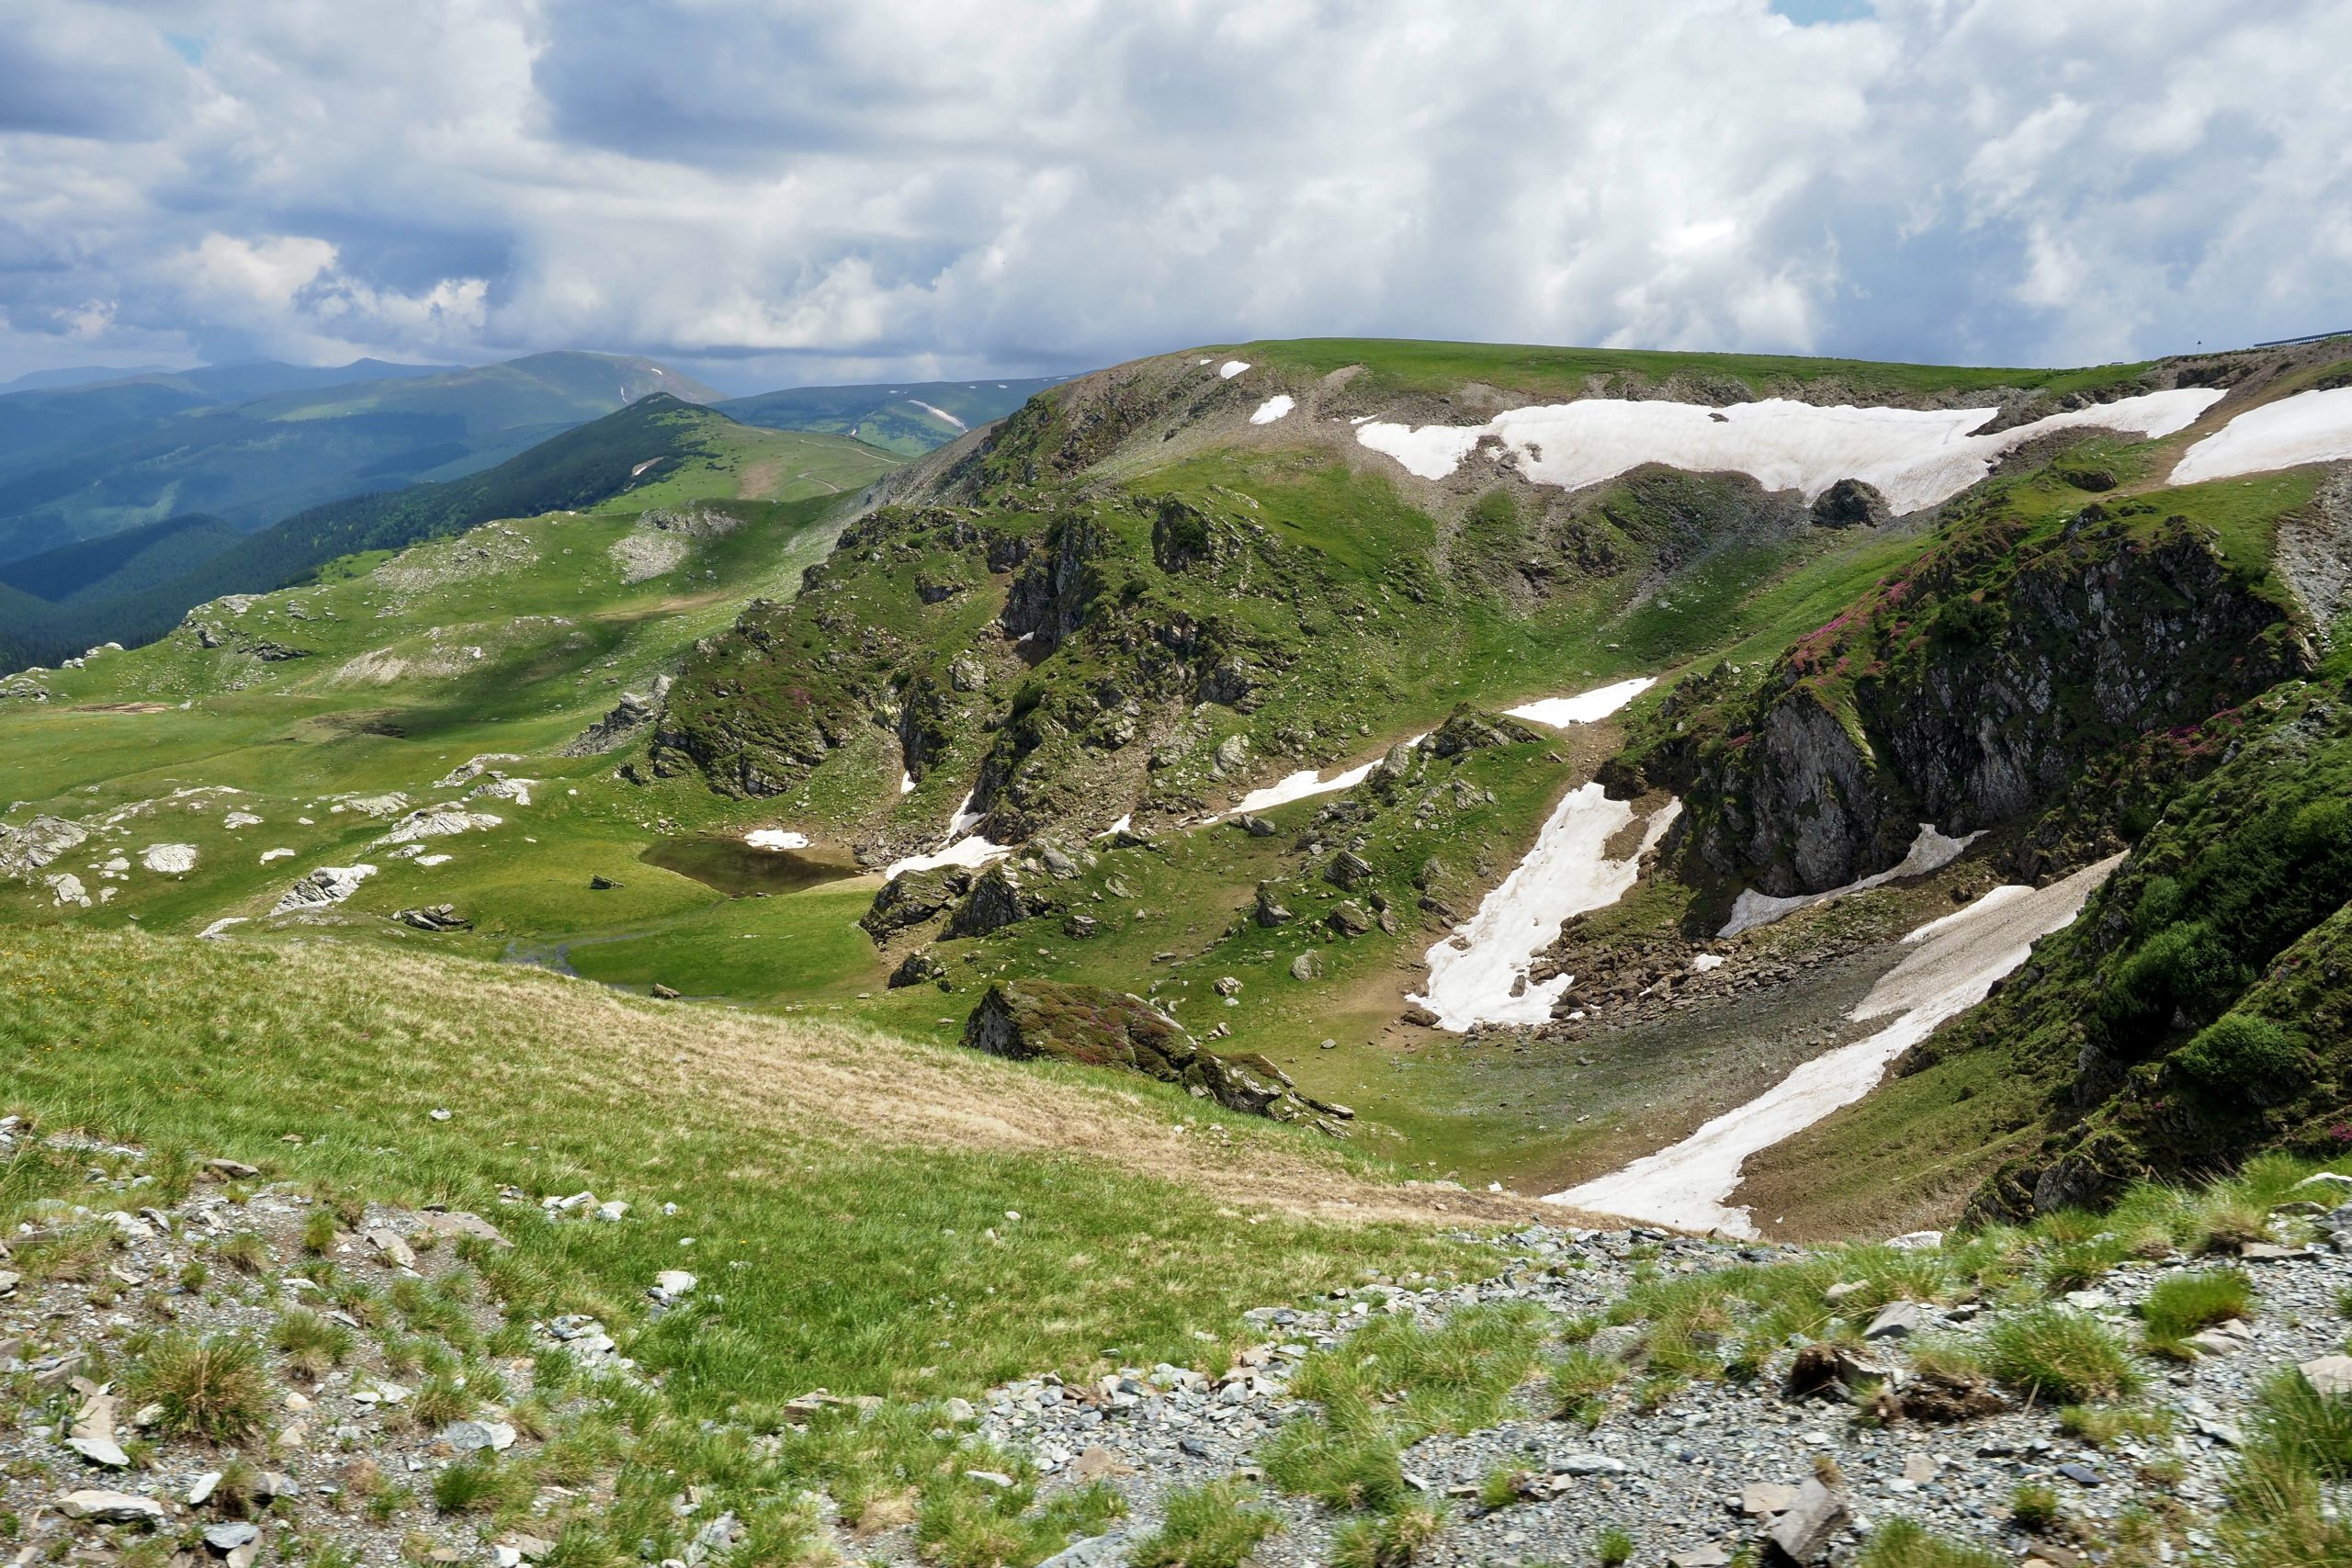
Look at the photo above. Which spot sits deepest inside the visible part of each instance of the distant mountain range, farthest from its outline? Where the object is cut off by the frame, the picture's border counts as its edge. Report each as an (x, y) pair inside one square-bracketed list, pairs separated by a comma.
[(134, 585), (127, 496)]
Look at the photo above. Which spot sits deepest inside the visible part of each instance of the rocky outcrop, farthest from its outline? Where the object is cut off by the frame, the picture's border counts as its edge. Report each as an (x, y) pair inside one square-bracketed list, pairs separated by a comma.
[(1029, 1020), (26, 849), (1971, 691), (633, 715), (1851, 503)]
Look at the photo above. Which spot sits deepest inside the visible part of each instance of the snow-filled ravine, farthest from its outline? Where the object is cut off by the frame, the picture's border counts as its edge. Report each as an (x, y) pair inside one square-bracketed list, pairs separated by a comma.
[(1917, 457), (2309, 427), (1952, 968), (1478, 975)]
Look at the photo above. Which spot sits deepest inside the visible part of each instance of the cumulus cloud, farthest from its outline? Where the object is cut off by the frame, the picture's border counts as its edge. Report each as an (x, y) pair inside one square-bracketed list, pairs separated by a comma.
[(911, 186)]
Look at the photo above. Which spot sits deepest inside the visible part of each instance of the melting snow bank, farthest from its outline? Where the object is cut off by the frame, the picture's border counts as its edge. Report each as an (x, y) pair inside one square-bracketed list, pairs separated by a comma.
[(775, 839), (1479, 974), (1303, 783), (1915, 456), (957, 849), (1931, 850), (1230, 368), (1273, 409), (1585, 707), (1958, 958), (969, 851), (2309, 427)]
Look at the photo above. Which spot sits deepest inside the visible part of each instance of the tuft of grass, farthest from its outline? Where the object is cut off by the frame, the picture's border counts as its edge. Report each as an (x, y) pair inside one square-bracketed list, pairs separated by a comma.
[(2034, 1506), (2181, 1304), (2104, 1426), (214, 1387), (439, 1401), (1216, 1525), (1393, 1539), (1905, 1543), (2050, 1353), (1579, 1380), (1612, 1547), (1389, 1384), (477, 1486), (319, 1231), (313, 1346), (2304, 1426)]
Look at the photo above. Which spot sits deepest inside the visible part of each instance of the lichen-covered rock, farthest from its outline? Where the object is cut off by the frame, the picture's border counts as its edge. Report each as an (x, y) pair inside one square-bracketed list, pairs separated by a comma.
[(912, 897), (1469, 729), (997, 899), (1851, 503), (1027, 1020)]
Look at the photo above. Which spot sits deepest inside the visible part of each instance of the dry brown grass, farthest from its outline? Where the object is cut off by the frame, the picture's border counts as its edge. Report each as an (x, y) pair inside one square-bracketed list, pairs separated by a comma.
[(833, 1082)]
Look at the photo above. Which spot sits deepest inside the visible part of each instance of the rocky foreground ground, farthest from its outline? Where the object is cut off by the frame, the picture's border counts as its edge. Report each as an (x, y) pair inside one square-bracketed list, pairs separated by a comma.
[(394, 1412)]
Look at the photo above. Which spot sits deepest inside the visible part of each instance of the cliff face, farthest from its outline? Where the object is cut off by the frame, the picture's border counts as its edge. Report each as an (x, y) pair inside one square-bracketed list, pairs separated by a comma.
[(1972, 690), (2200, 1008)]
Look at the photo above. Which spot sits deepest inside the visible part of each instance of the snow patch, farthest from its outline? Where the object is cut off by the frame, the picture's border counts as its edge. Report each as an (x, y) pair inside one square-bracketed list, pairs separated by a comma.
[(1230, 368), (939, 414), (961, 847), (906, 783), (1273, 409), (1958, 959), (172, 860), (1479, 974), (2309, 427), (1931, 850), (435, 860), (270, 855), (1706, 961), (775, 839), (1302, 785), (1587, 707), (1915, 457)]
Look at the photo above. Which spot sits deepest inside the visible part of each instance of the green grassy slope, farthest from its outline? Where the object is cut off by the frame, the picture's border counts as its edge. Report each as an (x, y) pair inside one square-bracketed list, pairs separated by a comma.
[(1128, 601), (122, 563)]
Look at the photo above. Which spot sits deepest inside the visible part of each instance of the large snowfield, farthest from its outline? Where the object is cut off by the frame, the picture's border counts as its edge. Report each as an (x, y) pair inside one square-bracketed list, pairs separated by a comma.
[(1917, 457), (2309, 427), (1959, 957)]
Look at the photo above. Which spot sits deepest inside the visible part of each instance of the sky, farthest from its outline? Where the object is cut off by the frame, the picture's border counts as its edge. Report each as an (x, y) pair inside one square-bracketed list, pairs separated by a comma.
[(769, 193)]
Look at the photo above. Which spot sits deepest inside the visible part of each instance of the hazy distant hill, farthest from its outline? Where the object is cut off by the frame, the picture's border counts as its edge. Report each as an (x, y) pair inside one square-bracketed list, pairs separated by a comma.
[(251, 444), (907, 417)]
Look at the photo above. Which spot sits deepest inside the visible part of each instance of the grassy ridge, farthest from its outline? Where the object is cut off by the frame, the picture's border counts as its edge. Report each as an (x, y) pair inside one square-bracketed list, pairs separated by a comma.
[(848, 1193), (1415, 365)]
